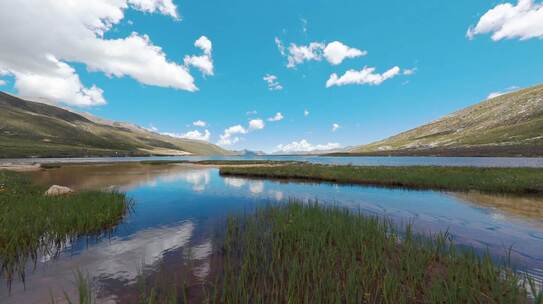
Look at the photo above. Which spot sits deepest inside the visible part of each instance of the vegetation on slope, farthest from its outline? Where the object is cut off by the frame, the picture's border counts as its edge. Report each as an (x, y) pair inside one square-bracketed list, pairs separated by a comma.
[(502, 180), (29, 129), (510, 124), (32, 225)]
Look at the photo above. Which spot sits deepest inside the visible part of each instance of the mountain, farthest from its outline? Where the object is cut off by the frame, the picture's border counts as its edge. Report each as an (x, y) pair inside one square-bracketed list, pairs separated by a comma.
[(507, 125), (34, 129)]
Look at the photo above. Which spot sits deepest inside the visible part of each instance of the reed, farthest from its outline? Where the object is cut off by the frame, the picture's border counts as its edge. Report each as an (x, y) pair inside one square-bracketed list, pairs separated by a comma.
[(298, 253), (34, 225), (496, 180)]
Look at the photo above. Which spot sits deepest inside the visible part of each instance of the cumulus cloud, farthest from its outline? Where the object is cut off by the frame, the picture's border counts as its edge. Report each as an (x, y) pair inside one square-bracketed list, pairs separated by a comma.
[(365, 76), (304, 146), (334, 52), (37, 53), (335, 126), (232, 134), (273, 84), (199, 123), (256, 124), (508, 21), (278, 116), (306, 112), (195, 134), (204, 62), (166, 7), (229, 136)]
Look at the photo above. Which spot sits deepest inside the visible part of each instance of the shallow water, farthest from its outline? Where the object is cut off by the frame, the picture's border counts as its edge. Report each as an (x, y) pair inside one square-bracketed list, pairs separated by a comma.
[(177, 208), (533, 162)]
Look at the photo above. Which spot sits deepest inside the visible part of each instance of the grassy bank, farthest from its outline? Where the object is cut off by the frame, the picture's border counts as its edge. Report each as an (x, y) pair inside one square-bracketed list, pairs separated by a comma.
[(500, 180), (308, 253), (32, 224)]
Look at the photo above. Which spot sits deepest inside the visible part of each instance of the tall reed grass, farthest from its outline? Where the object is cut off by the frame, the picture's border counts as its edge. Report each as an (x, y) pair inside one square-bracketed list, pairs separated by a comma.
[(34, 225)]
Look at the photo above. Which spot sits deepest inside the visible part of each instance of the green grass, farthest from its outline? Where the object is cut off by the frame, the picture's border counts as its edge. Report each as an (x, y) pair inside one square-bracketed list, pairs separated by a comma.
[(32, 224), (500, 180), (309, 253), (312, 254)]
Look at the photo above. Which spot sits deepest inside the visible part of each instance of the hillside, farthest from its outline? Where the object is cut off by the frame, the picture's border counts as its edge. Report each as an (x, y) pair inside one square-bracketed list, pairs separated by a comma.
[(32, 129), (507, 125)]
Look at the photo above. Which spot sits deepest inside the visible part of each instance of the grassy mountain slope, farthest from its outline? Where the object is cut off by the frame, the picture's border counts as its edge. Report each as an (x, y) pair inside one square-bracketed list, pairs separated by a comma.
[(29, 129), (507, 125)]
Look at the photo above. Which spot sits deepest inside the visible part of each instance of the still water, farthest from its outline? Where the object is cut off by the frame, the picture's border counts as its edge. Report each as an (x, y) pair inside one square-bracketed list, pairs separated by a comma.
[(178, 207), (533, 162)]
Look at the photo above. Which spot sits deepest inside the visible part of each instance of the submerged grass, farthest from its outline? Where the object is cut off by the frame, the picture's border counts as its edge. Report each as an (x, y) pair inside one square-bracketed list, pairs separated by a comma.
[(32, 224), (497, 180), (312, 254)]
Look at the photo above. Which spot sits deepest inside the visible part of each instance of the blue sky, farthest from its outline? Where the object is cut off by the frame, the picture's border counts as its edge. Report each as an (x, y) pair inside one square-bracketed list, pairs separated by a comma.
[(426, 39)]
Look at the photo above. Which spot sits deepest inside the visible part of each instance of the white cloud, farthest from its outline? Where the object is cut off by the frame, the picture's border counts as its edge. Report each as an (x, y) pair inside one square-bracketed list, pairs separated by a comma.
[(500, 93), (204, 63), (166, 7), (508, 21), (278, 116), (280, 46), (306, 112), (205, 44), (37, 53), (364, 76), (2, 82), (335, 126), (253, 112), (304, 24), (273, 84), (304, 146), (409, 72), (256, 124), (195, 134), (335, 52), (229, 136), (199, 123), (299, 54)]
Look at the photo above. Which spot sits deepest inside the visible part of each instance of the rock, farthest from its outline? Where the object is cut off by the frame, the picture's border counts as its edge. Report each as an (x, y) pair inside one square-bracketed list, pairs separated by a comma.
[(57, 190)]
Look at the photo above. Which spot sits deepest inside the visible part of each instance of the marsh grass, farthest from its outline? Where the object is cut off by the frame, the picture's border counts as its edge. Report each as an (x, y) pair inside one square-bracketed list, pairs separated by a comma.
[(33, 225), (298, 253), (310, 253), (495, 180)]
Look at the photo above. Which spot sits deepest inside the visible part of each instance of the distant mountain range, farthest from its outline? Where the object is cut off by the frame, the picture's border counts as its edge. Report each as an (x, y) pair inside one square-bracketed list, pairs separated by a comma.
[(507, 125), (34, 129)]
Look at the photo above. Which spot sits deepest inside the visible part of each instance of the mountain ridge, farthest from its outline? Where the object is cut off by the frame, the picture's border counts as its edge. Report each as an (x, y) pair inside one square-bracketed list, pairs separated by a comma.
[(35, 129), (507, 125)]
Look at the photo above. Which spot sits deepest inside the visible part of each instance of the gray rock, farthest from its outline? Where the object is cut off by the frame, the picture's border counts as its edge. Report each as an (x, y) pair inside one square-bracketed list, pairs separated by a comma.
[(57, 190)]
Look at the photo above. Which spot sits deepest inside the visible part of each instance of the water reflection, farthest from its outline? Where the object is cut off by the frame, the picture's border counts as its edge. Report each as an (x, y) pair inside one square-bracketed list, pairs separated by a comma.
[(178, 207)]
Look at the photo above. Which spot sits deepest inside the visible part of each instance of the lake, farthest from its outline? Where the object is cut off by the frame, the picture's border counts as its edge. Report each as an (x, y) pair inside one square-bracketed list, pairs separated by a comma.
[(533, 162), (178, 208)]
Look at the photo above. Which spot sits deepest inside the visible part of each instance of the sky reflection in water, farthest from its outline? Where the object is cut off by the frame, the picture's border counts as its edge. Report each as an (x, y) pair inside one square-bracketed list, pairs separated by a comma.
[(178, 207)]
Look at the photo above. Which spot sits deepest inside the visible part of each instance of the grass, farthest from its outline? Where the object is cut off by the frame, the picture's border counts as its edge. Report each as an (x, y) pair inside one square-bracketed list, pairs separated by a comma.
[(312, 254), (496, 180), (32, 225), (308, 253)]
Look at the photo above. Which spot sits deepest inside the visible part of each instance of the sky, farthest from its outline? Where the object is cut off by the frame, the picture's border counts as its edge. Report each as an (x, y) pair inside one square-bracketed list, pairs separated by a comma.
[(270, 75)]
